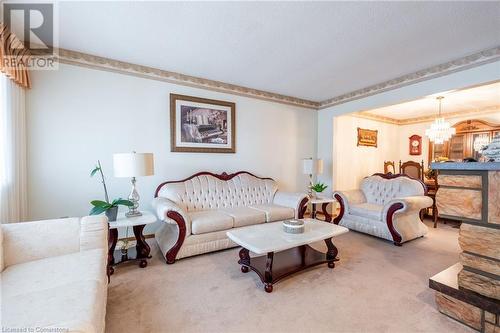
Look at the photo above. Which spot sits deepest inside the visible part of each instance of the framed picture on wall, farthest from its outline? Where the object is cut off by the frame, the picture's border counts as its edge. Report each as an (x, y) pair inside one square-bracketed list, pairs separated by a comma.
[(200, 125), (367, 137)]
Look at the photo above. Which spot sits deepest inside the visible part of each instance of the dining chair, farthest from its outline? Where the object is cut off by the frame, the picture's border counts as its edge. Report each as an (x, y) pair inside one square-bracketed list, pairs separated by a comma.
[(389, 167), (412, 169)]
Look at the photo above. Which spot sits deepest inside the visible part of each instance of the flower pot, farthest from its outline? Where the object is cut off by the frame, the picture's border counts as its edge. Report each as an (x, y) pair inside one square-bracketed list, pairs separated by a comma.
[(112, 213)]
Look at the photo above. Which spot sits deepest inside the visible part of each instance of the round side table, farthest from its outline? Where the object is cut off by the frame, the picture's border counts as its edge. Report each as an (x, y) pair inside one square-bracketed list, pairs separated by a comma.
[(142, 248), (324, 204)]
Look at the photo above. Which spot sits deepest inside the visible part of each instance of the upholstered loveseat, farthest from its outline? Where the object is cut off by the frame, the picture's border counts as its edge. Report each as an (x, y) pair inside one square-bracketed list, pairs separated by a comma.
[(198, 211), (386, 206), (53, 275)]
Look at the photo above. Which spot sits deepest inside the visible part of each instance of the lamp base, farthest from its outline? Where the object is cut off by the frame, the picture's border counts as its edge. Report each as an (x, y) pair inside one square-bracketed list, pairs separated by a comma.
[(133, 213), (134, 198)]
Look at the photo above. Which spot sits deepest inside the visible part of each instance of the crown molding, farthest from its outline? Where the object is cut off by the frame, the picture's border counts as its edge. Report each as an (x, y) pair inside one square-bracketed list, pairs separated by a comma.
[(425, 119), (460, 64), (101, 63)]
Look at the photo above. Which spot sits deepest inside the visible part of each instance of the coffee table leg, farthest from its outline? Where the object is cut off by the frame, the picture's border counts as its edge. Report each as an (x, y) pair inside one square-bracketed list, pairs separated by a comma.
[(268, 274), (142, 247), (332, 252), (244, 260)]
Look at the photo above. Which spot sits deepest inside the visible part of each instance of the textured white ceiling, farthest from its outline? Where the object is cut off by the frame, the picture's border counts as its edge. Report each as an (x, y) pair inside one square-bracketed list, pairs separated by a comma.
[(311, 50), (486, 97)]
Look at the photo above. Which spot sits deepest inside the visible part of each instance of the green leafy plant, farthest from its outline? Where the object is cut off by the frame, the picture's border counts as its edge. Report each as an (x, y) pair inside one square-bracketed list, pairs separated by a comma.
[(319, 187), (103, 206)]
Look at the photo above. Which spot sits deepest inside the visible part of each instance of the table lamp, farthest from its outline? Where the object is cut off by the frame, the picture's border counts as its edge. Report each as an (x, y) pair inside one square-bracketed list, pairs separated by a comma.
[(133, 165), (312, 167)]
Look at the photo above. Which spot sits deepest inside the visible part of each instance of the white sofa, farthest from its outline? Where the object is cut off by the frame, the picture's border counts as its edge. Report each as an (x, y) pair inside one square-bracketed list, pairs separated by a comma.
[(198, 211), (387, 206), (53, 275)]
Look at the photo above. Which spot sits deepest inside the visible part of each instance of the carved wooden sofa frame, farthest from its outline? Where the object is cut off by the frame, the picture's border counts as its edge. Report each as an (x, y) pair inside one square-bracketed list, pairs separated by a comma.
[(393, 209), (171, 254)]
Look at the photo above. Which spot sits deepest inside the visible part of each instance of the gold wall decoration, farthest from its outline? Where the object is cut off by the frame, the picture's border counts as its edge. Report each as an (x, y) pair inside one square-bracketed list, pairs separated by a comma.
[(367, 137)]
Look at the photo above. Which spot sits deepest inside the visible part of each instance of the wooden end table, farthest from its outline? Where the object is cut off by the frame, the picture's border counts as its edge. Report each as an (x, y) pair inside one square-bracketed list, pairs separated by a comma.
[(286, 253), (323, 201), (142, 249)]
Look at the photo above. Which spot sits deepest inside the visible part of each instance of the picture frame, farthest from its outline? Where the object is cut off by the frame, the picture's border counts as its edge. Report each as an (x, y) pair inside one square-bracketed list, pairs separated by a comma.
[(367, 137), (201, 125)]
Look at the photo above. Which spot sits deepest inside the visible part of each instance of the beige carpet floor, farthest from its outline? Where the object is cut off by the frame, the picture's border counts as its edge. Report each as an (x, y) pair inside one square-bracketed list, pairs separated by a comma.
[(375, 287)]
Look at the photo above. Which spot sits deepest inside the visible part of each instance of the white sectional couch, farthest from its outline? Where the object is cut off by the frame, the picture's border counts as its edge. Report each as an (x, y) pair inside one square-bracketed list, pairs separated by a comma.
[(386, 206), (198, 211), (53, 275)]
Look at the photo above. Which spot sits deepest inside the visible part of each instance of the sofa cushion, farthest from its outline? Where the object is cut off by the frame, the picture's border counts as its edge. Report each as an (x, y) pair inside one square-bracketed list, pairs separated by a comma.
[(244, 216), (75, 307), (209, 221), (275, 212), (54, 271), (367, 210)]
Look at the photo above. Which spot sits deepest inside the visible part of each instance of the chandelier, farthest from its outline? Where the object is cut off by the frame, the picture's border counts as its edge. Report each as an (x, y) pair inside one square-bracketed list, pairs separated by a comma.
[(440, 130)]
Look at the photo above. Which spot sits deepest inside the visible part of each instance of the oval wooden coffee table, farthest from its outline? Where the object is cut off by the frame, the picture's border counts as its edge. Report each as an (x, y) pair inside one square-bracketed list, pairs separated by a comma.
[(286, 253)]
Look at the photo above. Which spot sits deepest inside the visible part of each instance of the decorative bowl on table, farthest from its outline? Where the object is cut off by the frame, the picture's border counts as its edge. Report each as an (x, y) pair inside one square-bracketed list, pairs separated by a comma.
[(293, 226)]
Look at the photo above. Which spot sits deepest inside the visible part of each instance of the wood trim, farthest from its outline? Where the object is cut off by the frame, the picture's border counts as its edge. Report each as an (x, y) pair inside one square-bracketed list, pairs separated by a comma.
[(390, 222), (172, 253), (175, 148), (392, 176), (302, 208), (337, 219), (468, 126), (223, 176)]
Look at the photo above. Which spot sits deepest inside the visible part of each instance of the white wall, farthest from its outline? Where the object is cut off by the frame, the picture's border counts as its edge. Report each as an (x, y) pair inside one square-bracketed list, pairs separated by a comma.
[(352, 163), (78, 115), (473, 76)]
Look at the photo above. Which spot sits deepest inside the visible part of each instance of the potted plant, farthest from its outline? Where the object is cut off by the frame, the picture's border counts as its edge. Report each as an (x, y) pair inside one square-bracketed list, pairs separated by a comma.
[(106, 207), (319, 187)]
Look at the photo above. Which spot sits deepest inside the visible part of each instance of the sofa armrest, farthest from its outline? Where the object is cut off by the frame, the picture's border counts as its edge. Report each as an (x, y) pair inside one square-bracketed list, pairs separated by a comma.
[(409, 204), (297, 201), (93, 232), (28, 241), (169, 212), (351, 197), (346, 198), (400, 215)]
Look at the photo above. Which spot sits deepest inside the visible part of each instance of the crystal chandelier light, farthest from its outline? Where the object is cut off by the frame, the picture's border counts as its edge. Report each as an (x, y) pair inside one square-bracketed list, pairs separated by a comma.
[(440, 130)]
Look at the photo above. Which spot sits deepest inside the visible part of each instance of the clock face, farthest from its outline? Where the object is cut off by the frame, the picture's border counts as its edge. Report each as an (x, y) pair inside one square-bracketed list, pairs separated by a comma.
[(415, 143)]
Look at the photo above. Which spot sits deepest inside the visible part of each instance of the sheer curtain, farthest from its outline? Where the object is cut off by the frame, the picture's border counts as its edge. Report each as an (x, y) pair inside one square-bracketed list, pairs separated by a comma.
[(13, 171)]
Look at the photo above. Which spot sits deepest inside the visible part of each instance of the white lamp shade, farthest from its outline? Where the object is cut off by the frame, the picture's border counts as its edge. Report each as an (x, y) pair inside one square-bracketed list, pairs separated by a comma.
[(311, 166), (133, 164)]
